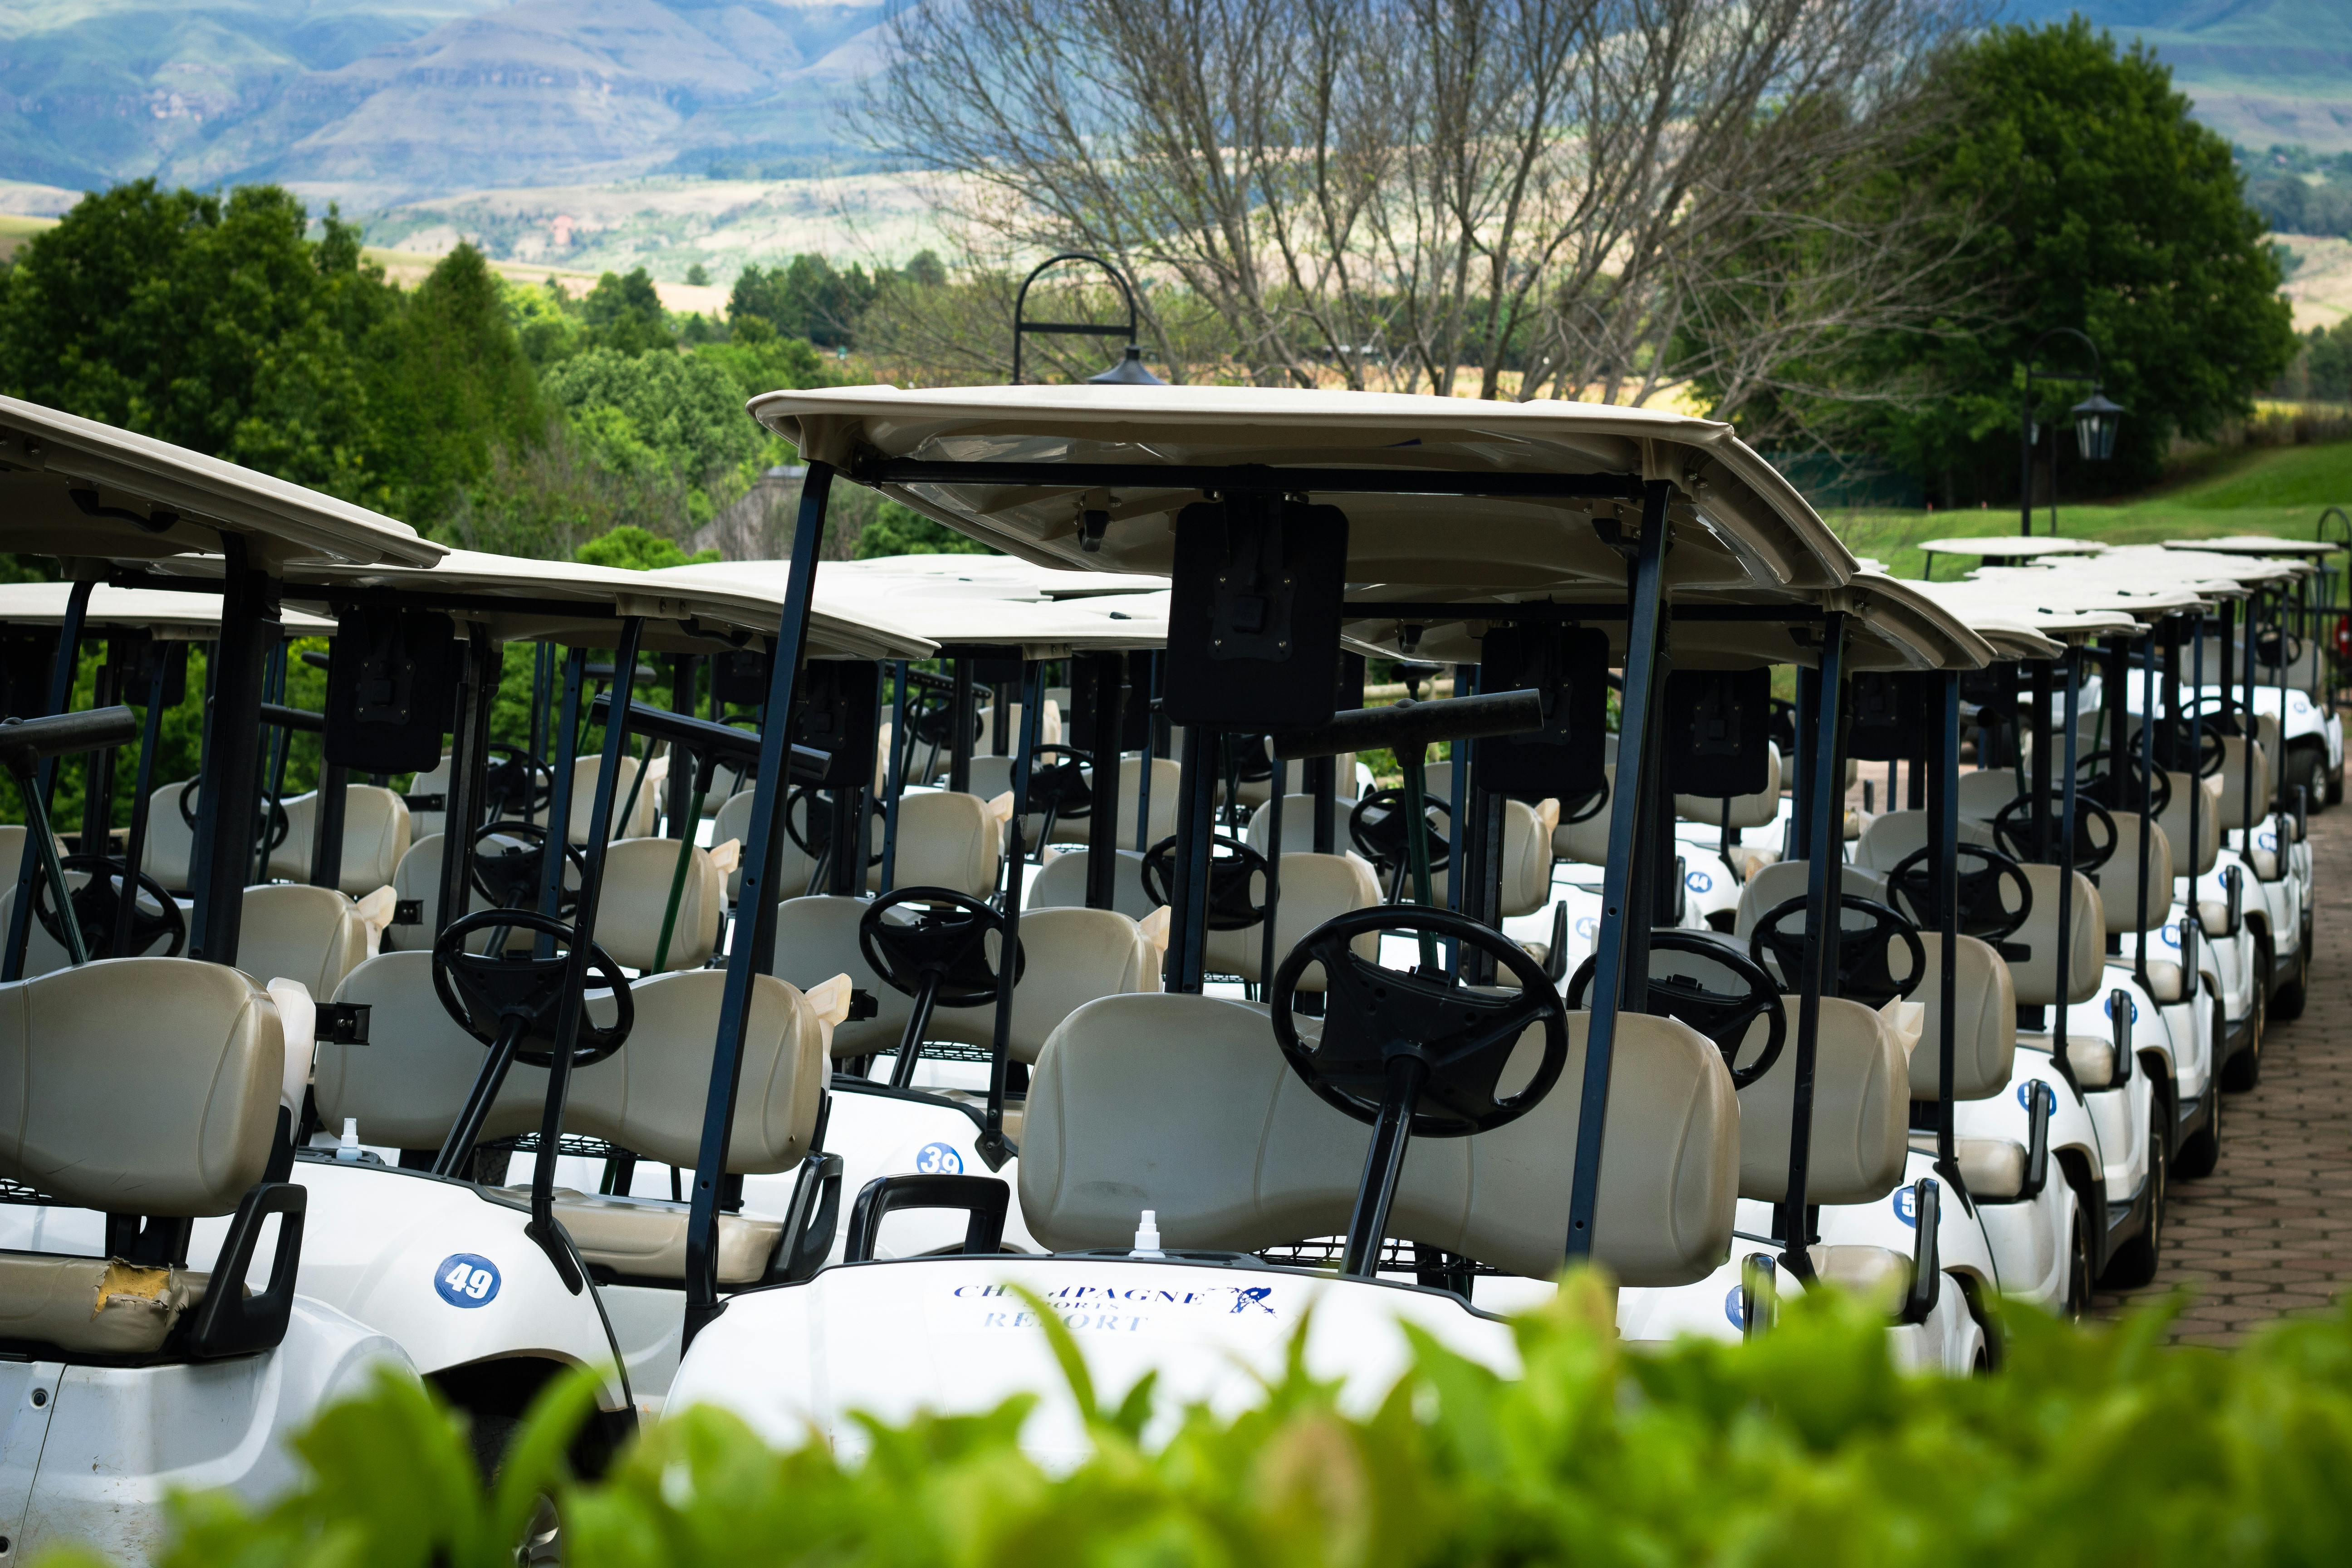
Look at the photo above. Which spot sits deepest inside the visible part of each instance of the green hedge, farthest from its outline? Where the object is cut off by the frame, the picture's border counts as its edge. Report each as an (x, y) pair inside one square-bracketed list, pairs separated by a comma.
[(2091, 1446)]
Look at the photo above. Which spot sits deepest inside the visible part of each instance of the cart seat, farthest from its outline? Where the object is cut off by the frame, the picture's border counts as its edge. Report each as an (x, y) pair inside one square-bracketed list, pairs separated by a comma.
[(1298, 824), (2123, 902), (1315, 889), (1984, 1017), (2232, 777), (1587, 842), (1984, 791), (1760, 809), (793, 868), (1184, 1104), (1071, 956), (1061, 883), (294, 932), (1861, 1110), (2035, 976), (1776, 884), (409, 1084), (634, 899), (639, 821), (1896, 834), (816, 939), (2175, 820), (945, 840), (376, 834)]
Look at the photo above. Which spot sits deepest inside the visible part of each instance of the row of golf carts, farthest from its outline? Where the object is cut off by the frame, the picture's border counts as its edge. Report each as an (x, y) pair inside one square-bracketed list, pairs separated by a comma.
[(738, 979)]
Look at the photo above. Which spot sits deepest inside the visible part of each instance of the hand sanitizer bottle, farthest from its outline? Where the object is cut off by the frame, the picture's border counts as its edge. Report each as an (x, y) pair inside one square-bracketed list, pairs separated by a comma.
[(1146, 1236), (347, 1147)]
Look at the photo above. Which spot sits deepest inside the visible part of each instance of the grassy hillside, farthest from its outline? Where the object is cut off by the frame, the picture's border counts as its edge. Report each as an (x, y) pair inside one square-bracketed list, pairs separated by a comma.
[(2277, 491)]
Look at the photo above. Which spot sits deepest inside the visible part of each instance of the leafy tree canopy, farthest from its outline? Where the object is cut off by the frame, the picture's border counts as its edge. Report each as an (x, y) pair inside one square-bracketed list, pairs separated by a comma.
[(632, 549), (806, 298), (676, 412), (900, 529), (625, 314), (2107, 209)]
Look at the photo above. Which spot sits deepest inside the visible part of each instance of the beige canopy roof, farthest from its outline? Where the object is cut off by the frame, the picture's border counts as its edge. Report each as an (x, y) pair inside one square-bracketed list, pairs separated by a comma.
[(2007, 609), (2258, 544), (1006, 604), (73, 487), (988, 575), (169, 613), (2073, 604), (1737, 522), (2011, 547), (683, 615)]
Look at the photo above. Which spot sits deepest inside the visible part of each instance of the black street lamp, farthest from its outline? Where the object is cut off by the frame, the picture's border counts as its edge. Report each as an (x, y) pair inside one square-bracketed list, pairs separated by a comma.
[(1129, 370), (2095, 422)]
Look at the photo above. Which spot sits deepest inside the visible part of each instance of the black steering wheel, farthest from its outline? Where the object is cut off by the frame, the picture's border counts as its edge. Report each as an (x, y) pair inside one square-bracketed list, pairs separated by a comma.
[(2012, 824), (520, 785), (508, 874), (97, 902), (941, 940), (1376, 1020), (1377, 828), (2121, 791), (931, 720), (1863, 973), (817, 843), (1589, 807), (1234, 870), (273, 810), (1058, 782), (490, 994), (1984, 913), (2174, 736), (1721, 995), (2267, 645)]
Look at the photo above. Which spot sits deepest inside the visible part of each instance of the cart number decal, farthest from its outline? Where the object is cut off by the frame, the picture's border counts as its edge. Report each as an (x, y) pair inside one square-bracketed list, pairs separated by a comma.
[(1736, 1310), (939, 1160), (1907, 1206), (465, 1280), (1699, 883)]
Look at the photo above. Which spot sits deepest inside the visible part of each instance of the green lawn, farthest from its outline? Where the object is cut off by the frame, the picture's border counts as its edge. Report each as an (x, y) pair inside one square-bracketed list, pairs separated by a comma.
[(2280, 490)]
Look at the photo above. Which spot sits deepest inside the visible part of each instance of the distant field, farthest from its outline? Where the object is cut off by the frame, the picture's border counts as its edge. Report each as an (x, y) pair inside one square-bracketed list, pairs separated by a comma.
[(2277, 491), (15, 230)]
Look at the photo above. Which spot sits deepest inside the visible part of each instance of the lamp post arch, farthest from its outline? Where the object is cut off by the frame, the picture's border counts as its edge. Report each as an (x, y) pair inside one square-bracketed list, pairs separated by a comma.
[(1131, 368)]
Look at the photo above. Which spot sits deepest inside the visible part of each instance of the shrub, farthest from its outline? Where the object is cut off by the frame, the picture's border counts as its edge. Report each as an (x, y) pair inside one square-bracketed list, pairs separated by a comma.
[(1805, 1446)]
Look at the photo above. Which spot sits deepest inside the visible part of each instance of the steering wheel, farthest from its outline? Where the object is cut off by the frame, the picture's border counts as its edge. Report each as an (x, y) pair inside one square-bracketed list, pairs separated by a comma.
[(509, 875), (1463, 1036), (2172, 739), (931, 720), (1234, 870), (942, 942), (518, 786), (275, 811), (1863, 972), (1983, 913), (1250, 763), (1587, 809), (491, 993), (154, 912), (2011, 824), (1060, 786), (2266, 649), (2108, 782), (1377, 828), (1722, 1000)]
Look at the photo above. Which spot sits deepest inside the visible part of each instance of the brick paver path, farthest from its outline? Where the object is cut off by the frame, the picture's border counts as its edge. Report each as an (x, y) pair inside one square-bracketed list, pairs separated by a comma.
[(2269, 1233)]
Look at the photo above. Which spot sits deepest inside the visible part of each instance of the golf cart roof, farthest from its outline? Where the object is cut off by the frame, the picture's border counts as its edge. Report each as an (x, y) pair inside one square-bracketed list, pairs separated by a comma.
[(73, 487), (2217, 566), (2002, 609), (526, 600), (1994, 547), (2148, 567), (2258, 544), (1000, 576), (2077, 604), (171, 615), (957, 612), (1550, 472)]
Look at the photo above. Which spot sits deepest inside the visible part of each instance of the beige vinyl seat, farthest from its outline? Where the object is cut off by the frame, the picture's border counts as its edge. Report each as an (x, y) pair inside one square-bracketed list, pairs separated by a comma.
[(1862, 1106), (139, 1086), (1760, 809), (2034, 977), (2127, 913), (408, 1085), (1984, 1015), (375, 835), (639, 821), (1984, 791), (1070, 957), (423, 824), (1183, 1104), (634, 897), (1776, 884), (945, 840), (44, 955), (733, 822), (1315, 889), (1061, 883), (2234, 792), (647, 1097), (1298, 824), (417, 881), (2173, 820), (1893, 835), (816, 939), (171, 845), (1586, 843), (1529, 845), (291, 931)]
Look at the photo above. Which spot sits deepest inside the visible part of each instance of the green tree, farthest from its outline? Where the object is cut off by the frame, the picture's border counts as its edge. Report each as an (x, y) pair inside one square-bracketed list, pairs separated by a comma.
[(2104, 208), (632, 549), (900, 529), (677, 413), (760, 359), (625, 314), (2328, 356), (808, 299), (451, 385)]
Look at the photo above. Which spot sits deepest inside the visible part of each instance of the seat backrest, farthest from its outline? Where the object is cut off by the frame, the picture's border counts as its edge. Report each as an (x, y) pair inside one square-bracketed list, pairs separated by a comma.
[(816, 939), (733, 821), (639, 875), (435, 780), (2118, 879), (407, 1087), (1061, 883), (1167, 774), (945, 840), (1759, 810), (144, 1086), (291, 931), (44, 954), (1315, 889), (1298, 824), (1776, 884), (639, 821), (1896, 835), (171, 845), (1862, 1111), (2175, 818), (1184, 1104), (648, 1096), (417, 879), (1984, 791), (376, 834), (2035, 976), (2232, 775), (1527, 855), (1070, 956), (1587, 842), (1984, 1017)]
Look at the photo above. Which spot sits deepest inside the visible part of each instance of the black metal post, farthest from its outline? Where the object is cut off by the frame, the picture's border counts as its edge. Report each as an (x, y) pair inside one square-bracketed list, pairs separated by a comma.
[(1824, 884), (31, 865), (228, 795)]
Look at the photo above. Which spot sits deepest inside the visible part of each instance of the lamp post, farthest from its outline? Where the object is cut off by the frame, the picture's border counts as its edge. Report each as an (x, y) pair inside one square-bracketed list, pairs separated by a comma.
[(1129, 370), (2095, 420)]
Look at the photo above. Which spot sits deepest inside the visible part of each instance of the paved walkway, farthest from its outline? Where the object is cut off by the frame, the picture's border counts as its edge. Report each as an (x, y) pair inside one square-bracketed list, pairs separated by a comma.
[(2269, 1233)]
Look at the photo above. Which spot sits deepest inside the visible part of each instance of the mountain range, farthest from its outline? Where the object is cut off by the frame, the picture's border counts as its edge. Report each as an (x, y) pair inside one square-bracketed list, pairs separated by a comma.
[(414, 110)]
